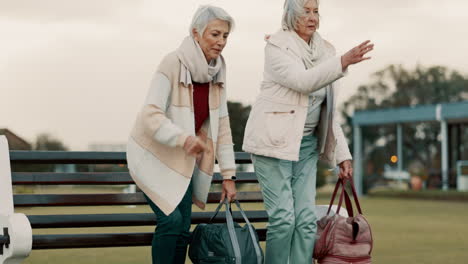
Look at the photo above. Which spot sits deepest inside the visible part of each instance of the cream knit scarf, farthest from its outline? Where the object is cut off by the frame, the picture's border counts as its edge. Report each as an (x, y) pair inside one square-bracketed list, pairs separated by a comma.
[(192, 57), (311, 53)]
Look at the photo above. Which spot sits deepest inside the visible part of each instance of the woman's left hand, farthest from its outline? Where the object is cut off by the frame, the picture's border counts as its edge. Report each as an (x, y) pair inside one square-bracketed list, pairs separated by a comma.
[(346, 170), (229, 190)]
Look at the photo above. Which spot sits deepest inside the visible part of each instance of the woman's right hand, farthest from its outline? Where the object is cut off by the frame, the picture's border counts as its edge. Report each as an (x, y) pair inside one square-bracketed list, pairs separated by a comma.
[(356, 54), (194, 146)]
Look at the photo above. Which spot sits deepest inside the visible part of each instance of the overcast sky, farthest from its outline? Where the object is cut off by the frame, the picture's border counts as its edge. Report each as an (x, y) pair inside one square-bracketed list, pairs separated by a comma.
[(80, 69)]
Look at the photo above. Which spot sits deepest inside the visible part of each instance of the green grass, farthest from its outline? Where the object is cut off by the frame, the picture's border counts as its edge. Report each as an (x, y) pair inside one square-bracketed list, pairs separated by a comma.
[(418, 231), (450, 195), (405, 231)]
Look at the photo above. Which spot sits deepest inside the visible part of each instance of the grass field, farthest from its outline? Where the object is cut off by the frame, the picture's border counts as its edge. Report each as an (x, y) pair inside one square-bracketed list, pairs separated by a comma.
[(405, 231)]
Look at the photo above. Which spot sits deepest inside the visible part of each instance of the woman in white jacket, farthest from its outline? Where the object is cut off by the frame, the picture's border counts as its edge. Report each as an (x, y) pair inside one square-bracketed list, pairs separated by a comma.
[(293, 123)]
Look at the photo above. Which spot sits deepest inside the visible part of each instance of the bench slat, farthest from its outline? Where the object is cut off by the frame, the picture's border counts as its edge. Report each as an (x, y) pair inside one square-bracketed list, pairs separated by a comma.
[(100, 240), (140, 219), (242, 177), (98, 178), (30, 200), (246, 197), (67, 157), (91, 240), (85, 178), (85, 157)]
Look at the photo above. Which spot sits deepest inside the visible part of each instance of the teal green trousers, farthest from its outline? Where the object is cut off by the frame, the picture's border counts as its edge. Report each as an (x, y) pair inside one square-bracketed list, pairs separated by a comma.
[(172, 233), (288, 189)]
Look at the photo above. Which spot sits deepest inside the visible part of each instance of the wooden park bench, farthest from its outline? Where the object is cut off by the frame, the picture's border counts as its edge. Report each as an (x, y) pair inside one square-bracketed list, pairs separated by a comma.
[(16, 236)]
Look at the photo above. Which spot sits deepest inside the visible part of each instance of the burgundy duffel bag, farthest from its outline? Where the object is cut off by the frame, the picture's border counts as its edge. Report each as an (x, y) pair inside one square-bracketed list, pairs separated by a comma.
[(343, 240)]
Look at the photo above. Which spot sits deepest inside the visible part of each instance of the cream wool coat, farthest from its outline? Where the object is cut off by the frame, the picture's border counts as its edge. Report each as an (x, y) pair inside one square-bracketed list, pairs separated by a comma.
[(155, 155), (276, 123)]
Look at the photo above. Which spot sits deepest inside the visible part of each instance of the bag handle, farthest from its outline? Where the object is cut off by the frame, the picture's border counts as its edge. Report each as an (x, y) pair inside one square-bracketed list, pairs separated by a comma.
[(356, 198), (349, 206), (232, 232), (217, 211), (353, 189), (344, 195), (252, 233)]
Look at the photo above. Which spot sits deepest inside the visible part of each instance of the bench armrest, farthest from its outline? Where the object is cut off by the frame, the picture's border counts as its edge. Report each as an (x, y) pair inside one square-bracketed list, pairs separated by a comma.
[(15, 228)]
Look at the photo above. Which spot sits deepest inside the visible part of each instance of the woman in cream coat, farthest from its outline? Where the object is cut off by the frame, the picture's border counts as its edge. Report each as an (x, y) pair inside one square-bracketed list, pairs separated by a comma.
[(181, 129), (293, 123)]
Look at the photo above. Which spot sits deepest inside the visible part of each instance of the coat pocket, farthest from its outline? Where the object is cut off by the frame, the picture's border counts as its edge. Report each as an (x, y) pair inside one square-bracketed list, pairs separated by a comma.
[(279, 124)]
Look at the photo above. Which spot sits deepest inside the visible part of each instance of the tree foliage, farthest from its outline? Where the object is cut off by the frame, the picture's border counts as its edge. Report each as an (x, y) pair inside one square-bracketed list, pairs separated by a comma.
[(47, 142), (238, 115)]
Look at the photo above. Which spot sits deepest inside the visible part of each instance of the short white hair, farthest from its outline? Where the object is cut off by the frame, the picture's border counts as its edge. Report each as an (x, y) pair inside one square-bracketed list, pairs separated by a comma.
[(293, 10), (205, 14)]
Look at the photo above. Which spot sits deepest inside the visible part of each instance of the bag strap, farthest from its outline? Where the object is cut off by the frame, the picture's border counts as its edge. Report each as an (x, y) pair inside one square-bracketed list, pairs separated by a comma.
[(356, 198), (252, 234), (349, 206), (217, 211), (231, 229), (337, 185), (344, 195), (232, 233)]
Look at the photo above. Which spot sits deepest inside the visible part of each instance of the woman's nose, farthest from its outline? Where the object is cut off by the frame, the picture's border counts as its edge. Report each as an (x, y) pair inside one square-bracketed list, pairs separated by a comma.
[(222, 42), (314, 17)]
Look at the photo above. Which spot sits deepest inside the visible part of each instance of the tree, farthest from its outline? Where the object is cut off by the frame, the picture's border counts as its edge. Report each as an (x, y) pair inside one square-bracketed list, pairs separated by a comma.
[(238, 115), (395, 87), (47, 142)]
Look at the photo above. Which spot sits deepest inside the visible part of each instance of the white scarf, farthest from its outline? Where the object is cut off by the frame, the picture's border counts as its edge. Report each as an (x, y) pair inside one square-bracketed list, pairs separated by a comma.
[(192, 57), (311, 53)]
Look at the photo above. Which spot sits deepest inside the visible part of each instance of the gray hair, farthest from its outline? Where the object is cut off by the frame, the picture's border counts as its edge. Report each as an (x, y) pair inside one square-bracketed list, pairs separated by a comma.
[(293, 10), (207, 13)]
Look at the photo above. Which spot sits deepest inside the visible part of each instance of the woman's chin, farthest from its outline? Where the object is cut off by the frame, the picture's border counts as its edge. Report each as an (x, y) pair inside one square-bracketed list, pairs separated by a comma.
[(214, 56)]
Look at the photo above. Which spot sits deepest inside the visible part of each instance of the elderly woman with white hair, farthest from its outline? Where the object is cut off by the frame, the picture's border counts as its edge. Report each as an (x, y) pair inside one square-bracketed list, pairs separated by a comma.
[(180, 131), (293, 123)]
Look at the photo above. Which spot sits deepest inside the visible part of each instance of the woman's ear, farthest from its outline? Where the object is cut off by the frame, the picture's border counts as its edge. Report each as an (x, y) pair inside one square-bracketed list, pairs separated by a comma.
[(195, 34)]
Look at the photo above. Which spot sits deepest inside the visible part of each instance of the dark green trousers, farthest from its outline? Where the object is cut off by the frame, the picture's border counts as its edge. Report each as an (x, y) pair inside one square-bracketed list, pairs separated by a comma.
[(172, 233)]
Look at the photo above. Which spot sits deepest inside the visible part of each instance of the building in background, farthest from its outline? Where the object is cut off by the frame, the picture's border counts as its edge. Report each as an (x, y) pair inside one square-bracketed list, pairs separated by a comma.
[(15, 142)]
